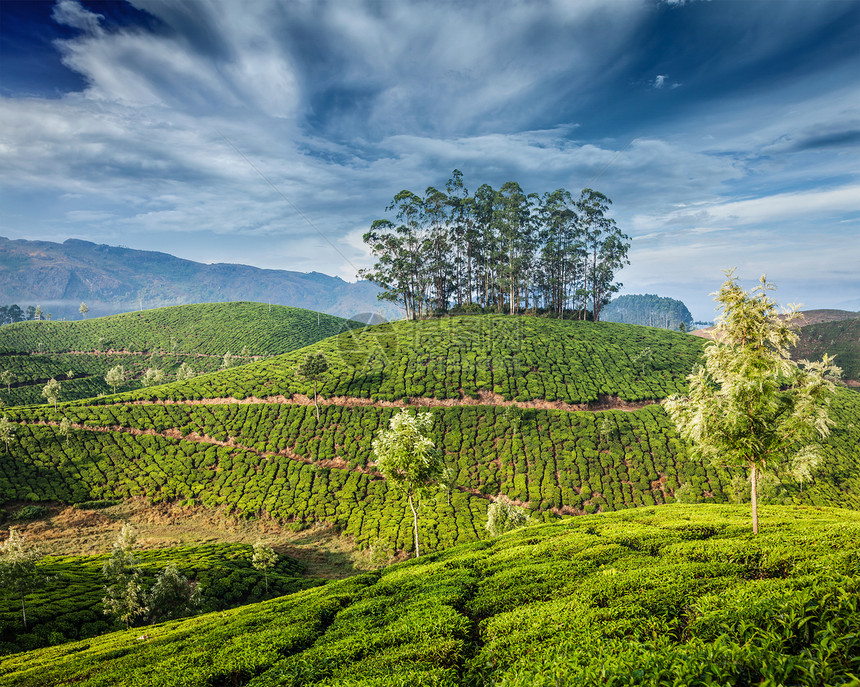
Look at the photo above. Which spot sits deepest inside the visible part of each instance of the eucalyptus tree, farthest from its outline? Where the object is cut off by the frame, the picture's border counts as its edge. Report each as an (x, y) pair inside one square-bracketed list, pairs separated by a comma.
[(18, 571), (606, 246), (115, 376), (7, 432), (312, 368), (51, 392), (83, 309)]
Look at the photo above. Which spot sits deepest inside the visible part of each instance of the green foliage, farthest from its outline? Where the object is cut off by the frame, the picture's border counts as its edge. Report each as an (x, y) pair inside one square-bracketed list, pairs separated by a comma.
[(264, 559), (172, 596), (750, 405), (504, 515), (115, 376), (675, 595), (51, 392), (68, 606), (125, 598), (18, 572)]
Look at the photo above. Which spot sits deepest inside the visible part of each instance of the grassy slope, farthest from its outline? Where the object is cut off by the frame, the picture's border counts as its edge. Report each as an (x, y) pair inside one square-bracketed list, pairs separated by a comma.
[(163, 338), (841, 339), (677, 595), (521, 358), (69, 606)]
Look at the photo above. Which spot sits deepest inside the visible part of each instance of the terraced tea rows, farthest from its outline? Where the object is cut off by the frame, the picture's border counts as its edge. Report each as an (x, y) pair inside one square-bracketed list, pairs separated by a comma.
[(655, 596), (520, 358), (69, 606)]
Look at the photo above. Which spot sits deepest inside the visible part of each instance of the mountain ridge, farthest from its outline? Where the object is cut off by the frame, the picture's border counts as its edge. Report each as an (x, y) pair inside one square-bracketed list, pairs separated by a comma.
[(114, 279)]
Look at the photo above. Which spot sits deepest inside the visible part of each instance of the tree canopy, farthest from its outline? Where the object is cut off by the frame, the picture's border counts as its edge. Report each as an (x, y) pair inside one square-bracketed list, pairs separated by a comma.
[(502, 250), (750, 405)]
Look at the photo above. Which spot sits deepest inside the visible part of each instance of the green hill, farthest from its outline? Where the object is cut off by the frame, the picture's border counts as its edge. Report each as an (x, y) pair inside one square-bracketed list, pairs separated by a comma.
[(69, 606), (514, 358), (841, 338), (276, 459), (198, 335), (680, 595)]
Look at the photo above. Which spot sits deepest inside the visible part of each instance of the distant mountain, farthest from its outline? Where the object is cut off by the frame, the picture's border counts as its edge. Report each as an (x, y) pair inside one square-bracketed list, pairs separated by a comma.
[(648, 309), (110, 279)]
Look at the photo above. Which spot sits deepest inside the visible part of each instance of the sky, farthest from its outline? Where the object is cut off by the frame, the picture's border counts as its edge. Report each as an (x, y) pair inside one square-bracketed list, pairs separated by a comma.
[(273, 132)]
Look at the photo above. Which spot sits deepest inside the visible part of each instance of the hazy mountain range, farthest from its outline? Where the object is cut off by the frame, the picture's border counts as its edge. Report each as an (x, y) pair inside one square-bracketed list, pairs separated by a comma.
[(110, 279)]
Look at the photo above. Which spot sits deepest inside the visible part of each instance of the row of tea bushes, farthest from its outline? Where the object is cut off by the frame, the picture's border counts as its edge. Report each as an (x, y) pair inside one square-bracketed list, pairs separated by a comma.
[(673, 595), (522, 358), (280, 460), (43, 465), (212, 328), (69, 605)]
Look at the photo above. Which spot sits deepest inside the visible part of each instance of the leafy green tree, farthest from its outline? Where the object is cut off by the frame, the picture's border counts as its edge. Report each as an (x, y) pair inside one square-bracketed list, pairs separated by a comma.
[(407, 457), (264, 559), (37, 313), (83, 309), (750, 405), (115, 376), (172, 596), (51, 392), (153, 376), (7, 432), (312, 368), (184, 372), (7, 377), (504, 515), (65, 428), (124, 596), (227, 360), (18, 572), (448, 481)]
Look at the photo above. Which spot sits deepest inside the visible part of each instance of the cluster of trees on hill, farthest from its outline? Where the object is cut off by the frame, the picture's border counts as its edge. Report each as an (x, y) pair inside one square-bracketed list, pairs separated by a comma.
[(501, 250), (13, 313), (650, 310)]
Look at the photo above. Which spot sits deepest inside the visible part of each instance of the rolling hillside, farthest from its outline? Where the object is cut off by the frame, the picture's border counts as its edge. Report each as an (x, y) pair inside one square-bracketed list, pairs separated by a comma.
[(559, 415), (113, 279), (839, 338), (198, 335), (677, 595)]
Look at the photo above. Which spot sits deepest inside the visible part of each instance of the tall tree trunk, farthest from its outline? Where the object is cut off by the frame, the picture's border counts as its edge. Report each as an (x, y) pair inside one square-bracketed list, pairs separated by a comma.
[(754, 497), (414, 526), (316, 407), (24, 610)]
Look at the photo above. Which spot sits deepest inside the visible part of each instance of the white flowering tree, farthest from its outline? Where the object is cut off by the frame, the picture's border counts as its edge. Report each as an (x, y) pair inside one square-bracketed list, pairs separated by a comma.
[(408, 458)]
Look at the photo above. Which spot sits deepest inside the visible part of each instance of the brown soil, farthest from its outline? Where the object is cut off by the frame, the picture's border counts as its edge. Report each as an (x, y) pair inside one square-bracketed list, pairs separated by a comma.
[(485, 398), (69, 531)]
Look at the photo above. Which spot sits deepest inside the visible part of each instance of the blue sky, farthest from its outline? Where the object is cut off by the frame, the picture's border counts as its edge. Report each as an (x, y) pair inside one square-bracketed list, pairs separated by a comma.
[(727, 133)]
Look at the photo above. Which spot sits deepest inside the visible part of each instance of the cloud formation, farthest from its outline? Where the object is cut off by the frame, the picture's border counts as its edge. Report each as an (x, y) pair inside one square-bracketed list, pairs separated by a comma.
[(341, 105)]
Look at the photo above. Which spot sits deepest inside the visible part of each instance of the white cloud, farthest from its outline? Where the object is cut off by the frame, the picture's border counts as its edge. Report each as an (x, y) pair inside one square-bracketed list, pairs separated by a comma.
[(71, 13)]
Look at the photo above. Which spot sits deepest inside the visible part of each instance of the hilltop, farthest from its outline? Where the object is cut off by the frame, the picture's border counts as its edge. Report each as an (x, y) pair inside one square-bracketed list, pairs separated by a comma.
[(113, 279), (840, 338), (670, 595), (165, 338)]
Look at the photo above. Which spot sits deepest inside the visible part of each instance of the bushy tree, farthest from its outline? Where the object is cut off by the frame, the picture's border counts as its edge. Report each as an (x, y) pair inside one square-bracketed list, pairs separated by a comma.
[(7, 377), (750, 405), (51, 392), (227, 360), (184, 372), (18, 571), (172, 596), (115, 376), (153, 376), (65, 428), (83, 309), (264, 559), (504, 515), (407, 458), (312, 368), (7, 432), (124, 596)]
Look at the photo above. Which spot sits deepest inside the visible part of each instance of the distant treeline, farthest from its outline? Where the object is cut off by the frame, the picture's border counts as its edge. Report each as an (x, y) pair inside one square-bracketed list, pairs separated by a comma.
[(13, 313), (497, 250), (650, 310)]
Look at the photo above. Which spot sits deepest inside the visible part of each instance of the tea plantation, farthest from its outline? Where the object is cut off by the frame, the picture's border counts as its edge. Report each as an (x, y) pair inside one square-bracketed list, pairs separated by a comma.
[(69, 605), (675, 595), (841, 339), (164, 338), (517, 358)]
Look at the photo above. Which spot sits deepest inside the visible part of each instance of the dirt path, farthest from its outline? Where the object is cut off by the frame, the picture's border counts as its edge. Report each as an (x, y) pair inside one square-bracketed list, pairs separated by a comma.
[(485, 398)]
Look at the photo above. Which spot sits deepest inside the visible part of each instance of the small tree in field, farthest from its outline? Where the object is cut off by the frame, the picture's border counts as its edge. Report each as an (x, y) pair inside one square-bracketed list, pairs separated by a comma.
[(504, 515), (83, 309), (18, 574), (313, 367), (750, 405), (65, 428), (7, 377), (153, 376), (264, 559), (184, 372), (115, 376), (124, 596), (7, 432), (51, 392), (407, 457), (172, 596)]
